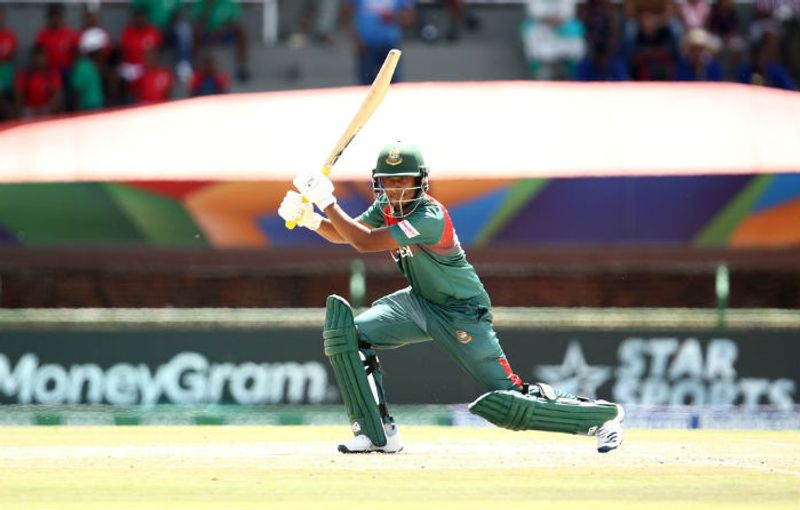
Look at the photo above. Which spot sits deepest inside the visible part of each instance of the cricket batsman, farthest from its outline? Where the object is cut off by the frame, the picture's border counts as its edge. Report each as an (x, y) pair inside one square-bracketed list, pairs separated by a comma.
[(445, 302)]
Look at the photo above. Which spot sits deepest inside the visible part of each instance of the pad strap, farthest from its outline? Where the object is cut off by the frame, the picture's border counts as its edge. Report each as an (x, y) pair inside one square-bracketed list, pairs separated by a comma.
[(342, 349)]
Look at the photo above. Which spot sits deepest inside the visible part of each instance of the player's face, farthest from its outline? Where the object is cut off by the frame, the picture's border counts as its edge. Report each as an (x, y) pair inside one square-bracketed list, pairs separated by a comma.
[(400, 190)]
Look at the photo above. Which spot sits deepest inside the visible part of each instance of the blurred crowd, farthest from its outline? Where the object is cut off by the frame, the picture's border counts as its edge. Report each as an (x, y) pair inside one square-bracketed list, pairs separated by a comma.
[(75, 69), (660, 40), (72, 69)]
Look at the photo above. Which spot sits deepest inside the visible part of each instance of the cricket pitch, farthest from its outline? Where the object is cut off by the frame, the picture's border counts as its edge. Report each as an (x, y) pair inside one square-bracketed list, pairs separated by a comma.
[(233, 467)]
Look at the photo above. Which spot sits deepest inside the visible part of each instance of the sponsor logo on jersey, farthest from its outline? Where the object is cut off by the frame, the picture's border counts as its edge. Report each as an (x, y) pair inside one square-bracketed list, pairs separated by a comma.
[(402, 252), (408, 229), (394, 158), (463, 337)]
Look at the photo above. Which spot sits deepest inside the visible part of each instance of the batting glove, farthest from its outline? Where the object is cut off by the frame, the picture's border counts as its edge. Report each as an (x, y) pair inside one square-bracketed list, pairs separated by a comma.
[(293, 208), (316, 187)]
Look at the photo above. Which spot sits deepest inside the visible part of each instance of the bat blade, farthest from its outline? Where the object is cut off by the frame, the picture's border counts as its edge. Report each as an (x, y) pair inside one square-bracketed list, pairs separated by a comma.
[(372, 100)]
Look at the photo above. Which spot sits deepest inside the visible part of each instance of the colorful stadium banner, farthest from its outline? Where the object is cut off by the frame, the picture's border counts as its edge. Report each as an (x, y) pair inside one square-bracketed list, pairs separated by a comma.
[(733, 210), (516, 162)]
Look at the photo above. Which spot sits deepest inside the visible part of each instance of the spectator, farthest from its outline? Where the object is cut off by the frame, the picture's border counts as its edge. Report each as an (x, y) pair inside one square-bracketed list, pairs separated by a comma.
[(460, 13), (58, 40), (652, 51), (61, 44), (602, 65), (376, 26), (39, 88), (108, 58), (552, 38), (155, 85), (698, 62), (723, 23), (766, 17), (86, 78), (317, 20), (600, 24), (175, 29), (8, 48), (767, 68), (218, 21), (209, 79), (662, 12), (138, 38), (694, 14), (91, 20)]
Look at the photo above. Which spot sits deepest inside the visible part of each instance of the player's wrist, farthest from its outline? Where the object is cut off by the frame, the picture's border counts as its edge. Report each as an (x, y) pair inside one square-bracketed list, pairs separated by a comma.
[(325, 202), (314, 222)]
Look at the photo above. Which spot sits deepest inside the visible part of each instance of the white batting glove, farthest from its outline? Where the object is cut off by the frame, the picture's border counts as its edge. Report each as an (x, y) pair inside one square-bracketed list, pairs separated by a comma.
[(316, 187), (293, 208)]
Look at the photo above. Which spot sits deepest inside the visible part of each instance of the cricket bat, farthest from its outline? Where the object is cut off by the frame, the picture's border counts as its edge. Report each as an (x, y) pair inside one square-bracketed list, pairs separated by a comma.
[(371, 102)]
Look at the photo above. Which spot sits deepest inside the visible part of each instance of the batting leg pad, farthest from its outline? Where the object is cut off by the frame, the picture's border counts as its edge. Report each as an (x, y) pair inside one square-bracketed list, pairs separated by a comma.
[(517, 411), (341, 348)]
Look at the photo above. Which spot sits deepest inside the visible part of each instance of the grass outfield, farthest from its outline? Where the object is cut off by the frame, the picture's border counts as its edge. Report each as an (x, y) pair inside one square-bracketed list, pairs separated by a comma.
[(205, 467)]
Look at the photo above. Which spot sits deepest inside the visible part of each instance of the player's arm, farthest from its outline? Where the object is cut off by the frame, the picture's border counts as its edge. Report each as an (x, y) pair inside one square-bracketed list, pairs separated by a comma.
[(318, 189), (294, 208), (357, 234), (329, 232)]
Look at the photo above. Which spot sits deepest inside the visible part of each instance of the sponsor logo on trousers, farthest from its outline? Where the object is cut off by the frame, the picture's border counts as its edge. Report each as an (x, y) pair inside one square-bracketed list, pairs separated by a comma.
[(187, 378)]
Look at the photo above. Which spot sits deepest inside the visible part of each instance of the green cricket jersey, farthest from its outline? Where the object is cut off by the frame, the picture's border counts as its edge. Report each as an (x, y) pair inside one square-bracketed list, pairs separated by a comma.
[(157, 12), (87, 85), (430, 256)]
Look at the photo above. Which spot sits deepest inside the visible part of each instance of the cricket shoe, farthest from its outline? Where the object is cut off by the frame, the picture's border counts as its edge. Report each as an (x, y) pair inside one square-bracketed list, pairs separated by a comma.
[(610, 434), (363, 444)]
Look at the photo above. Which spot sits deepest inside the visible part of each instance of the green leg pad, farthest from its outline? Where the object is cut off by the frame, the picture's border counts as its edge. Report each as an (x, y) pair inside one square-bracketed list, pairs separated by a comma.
[(516, 411), (341, 348)]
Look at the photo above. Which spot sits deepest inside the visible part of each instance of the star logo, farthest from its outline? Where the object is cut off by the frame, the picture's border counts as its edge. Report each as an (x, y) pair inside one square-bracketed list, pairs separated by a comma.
[(574, 374)]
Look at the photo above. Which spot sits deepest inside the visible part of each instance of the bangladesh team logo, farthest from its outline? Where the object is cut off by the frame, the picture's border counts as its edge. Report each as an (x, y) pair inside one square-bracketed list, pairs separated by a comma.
[(394, 158)]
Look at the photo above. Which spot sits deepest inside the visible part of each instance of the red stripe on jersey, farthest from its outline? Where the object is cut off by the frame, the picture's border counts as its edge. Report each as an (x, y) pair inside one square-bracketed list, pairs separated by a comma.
[(514, 378), (388, 218), (449, 235)]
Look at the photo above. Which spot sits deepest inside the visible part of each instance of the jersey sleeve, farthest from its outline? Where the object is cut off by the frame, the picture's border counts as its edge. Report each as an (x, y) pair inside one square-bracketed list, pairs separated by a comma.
[(373, 216), (425, 226)]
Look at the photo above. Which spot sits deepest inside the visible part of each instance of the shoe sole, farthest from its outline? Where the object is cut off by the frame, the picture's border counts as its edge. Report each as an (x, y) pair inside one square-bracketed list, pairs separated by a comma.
[(343, 449), (606, 449)]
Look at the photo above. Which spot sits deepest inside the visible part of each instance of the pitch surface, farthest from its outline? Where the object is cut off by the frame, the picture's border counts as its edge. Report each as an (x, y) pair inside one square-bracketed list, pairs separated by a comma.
[(205, 467)]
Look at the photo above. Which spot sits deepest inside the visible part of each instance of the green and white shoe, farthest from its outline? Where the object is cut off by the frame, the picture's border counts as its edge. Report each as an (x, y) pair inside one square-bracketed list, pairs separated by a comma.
[(610, 435), (363, 444)]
